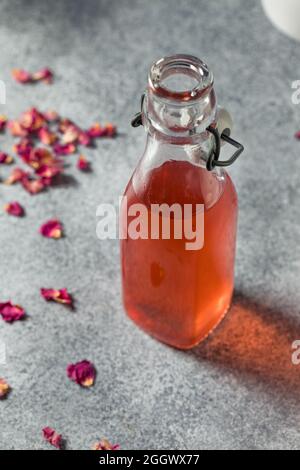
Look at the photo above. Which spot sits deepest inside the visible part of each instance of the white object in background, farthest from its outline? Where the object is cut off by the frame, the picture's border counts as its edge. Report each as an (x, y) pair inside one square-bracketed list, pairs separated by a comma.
[(285, 14)]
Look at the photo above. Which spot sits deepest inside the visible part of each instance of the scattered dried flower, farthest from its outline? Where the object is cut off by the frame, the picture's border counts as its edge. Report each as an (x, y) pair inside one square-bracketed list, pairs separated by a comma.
[(104, 444), (84, 139), (21, 75), (11, 313), (32, 120), (297, 135), (16, 129), (4, 388), (52, 229), (48, 172), (60, 296), (45, 75), (52, 437), (96, 131), (32, 185), (16, 175), (83, 373), (82, 163), (109, 130), (51, 116), (3, 122), (46, 136), (15, 209), (23, 148), (70, 134), (5, 159), (64, 149)]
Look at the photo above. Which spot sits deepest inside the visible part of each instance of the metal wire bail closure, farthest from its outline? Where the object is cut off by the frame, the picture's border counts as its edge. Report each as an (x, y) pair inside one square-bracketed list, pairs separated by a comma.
[(213, 159)]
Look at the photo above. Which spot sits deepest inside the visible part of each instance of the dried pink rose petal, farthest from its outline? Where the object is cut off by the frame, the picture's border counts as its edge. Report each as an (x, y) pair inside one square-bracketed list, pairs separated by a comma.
[(71, 134), (104, 444), (5, 159), (96, 131), (45, 75), (82, 163), (32, 120), (11, 313), (32, 185), (3, 122), (60, 296), (48, 172), (297, 135), (51, 116), (64, 124), (83, 373), (21, 75), (109, 130), (84, 139), (15, 209), (24, 147), (52, 229), (16, 129), (38, 157), (64, 149), (46, 136), (4, 388), (16, 175), (52, 437)]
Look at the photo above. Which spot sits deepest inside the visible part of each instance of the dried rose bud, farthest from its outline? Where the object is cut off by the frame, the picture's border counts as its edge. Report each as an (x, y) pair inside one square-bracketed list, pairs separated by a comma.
[(96, 131), (52, 437), (71, 134), (109, 130), (297, 135), (15, 209), (46, 171), (32, 120), (46, 136), (4, 388), (51, 116), (83, 373), (64, 149), (64, 124), (32, 186), (21, 75), (24, 147), (52, 229), (82, 163), (16, 129), (84, 139), (104, 444), (11, 313), (16, 175), (5, 159), (39, 157), (3, 122), (60, 296), (45, 75)]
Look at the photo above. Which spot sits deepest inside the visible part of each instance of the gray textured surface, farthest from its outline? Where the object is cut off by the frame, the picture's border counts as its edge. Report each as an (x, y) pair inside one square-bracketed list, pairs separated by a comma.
[(238, 389)]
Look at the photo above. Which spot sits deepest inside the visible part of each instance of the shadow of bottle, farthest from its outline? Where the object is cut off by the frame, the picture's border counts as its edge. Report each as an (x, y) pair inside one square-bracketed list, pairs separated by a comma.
[(254, 342)]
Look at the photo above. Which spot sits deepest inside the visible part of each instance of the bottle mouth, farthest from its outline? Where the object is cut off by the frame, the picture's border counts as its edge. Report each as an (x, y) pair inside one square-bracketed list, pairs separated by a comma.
[(180, 77)]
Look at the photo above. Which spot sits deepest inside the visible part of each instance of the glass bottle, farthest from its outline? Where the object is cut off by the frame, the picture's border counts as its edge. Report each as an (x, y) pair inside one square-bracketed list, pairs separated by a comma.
[(175, 292)]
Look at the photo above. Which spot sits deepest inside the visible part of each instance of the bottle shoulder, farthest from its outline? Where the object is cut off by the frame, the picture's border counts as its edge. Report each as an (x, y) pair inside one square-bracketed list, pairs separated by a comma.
[(178, 182)]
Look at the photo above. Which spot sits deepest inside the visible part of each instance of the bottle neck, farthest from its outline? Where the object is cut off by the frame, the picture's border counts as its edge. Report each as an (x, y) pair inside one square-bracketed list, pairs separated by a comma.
[(180, 104)]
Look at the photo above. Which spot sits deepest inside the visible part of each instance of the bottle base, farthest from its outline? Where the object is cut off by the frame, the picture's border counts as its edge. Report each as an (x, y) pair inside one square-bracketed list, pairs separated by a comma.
[(175, 344)]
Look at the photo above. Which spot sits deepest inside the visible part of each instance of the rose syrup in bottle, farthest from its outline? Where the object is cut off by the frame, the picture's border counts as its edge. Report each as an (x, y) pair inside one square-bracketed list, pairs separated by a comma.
[(175, 294)]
